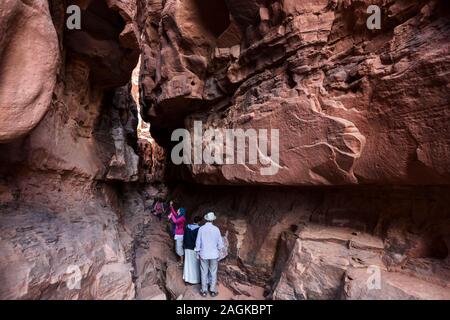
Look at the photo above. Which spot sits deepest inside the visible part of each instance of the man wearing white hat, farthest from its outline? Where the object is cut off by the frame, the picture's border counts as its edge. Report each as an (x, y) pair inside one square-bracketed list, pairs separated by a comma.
[(209, 243)]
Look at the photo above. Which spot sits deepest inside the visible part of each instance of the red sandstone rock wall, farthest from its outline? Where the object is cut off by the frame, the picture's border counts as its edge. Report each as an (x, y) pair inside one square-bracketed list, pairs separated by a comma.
[(322, 243), (30, 59), (353, 106), (67, 139)]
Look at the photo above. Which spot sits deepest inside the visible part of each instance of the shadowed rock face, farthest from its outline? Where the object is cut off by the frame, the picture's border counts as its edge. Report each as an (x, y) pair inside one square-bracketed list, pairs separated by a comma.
[(107, 41), (31, 57), (69, 124), (327, 243), (353, 106)]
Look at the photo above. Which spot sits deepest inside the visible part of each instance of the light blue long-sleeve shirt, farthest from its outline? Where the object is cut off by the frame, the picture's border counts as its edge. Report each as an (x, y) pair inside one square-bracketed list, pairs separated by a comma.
[(209, 241)]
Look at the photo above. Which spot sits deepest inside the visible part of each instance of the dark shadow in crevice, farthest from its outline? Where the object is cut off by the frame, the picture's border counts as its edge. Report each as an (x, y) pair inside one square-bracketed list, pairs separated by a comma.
[(214, 15)]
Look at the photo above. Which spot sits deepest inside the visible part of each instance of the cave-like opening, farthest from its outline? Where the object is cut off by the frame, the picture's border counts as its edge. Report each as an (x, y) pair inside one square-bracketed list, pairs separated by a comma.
[(98, 44), (439, 249), (102, 22), (214, 15)]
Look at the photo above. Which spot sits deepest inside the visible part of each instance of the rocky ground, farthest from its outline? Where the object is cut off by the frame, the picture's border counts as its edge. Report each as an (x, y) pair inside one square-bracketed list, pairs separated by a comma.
[(157, 274)]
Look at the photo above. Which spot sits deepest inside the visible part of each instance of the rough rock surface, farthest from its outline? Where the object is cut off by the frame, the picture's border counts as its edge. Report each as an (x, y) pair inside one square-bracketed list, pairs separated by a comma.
[(78, 171), (352, 105), (334, 263), (149, 246), (60, 206), (29, 60), (66, 249), (325, 243)]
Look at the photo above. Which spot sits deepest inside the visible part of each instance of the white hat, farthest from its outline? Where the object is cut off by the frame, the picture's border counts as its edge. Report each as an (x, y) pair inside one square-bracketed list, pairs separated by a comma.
[(210, 216)]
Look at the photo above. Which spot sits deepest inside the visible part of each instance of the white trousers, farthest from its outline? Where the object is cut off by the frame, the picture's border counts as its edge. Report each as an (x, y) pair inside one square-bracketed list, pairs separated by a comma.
[(191, 270)]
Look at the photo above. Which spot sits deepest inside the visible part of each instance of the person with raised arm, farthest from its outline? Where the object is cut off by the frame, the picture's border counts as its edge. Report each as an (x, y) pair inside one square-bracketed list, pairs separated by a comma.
[(178, 218)]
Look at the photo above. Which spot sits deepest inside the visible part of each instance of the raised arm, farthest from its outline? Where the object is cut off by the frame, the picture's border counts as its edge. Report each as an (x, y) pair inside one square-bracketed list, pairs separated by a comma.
[(172, 214)]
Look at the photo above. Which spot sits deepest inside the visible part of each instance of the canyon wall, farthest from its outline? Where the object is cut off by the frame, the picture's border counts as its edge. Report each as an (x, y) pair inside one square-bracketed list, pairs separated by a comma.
[(327, 243), (352, 105), (68, 134), (363, 118)]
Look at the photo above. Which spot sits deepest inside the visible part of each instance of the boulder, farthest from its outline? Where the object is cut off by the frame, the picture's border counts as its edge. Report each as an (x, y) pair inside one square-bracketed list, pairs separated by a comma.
[(30, 59)]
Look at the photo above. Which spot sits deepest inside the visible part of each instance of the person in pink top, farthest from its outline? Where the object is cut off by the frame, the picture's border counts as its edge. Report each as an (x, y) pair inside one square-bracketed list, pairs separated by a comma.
[(178, 218)]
